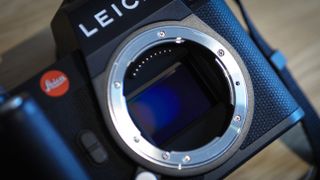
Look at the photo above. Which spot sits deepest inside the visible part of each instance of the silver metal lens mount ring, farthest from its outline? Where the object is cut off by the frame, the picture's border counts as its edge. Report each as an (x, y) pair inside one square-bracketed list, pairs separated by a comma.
[(142, 150)]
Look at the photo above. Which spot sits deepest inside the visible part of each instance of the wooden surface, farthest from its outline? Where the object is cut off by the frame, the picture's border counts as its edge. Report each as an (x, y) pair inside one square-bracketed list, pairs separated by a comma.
[(290, 25)]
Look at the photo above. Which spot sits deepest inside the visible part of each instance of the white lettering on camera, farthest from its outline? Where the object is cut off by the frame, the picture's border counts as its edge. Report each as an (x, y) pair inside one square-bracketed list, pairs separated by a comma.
[(105, 20), (54, 83)]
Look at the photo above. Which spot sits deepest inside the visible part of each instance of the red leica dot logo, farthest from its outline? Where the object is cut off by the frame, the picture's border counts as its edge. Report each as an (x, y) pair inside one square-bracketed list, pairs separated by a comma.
[(54, 83)]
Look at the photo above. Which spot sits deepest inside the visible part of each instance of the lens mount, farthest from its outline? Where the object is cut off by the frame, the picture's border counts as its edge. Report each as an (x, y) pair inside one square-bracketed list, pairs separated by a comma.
[(130, 137)]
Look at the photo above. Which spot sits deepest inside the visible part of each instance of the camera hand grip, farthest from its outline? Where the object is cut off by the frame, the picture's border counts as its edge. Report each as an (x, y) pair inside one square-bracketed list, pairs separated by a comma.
[(31, 138), (273, 102)]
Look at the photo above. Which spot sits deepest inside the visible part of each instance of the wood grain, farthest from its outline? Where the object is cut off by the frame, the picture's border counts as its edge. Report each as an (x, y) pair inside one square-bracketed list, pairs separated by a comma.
[(20, 19), (290, 25), (274, 162)]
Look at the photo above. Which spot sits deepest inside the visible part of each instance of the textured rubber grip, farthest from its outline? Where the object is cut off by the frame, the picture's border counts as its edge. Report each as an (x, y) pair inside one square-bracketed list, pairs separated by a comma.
[(273, 102)]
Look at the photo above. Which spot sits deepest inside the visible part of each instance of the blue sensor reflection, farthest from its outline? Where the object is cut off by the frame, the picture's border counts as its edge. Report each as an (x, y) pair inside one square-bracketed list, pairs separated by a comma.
[(169, 105)]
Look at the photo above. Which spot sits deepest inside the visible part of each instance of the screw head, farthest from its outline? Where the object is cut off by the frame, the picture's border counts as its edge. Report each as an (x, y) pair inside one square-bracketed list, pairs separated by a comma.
[(161, 34), (186, 159), (237, 118), (136, 139), (220, 52), (117, 84), (165, 155)]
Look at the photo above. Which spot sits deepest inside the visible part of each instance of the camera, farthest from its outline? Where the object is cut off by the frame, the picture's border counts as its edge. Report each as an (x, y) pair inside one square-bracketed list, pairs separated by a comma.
[(172, 88)]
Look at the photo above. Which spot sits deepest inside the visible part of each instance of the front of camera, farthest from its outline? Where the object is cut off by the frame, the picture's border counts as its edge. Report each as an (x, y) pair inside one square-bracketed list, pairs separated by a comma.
[(174, 88), (177, 98)]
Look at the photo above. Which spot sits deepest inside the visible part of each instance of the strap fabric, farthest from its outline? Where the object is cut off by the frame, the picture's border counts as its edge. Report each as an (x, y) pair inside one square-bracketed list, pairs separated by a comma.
[(311, 121)]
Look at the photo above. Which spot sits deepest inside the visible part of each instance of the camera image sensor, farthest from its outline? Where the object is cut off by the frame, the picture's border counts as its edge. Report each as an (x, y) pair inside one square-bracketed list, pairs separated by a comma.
[(178, 96), (169, 105)]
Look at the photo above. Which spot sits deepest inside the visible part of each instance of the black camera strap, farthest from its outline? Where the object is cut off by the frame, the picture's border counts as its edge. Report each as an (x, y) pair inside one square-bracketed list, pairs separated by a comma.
[(311, 121)]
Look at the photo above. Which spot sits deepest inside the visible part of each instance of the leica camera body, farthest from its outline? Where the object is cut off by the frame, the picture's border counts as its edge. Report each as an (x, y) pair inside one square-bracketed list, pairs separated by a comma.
[(173, 88)]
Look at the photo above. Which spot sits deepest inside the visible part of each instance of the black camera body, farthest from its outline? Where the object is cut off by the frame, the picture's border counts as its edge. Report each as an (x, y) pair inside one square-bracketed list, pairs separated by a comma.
[(176, 88)]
